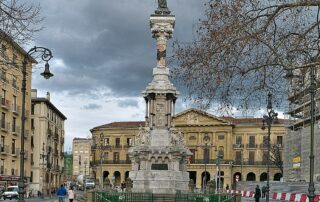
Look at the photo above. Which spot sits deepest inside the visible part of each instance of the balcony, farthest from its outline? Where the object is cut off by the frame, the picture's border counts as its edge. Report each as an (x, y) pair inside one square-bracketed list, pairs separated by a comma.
[(15, 130), (4, 149), (238, 146), (16, 109), (117, 146), (5, 126), (5, 104), (127, 145), (252, 146)]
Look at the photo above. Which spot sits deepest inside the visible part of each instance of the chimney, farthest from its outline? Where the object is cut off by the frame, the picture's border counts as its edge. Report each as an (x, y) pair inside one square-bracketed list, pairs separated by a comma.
[(48, 96), (34, 93)]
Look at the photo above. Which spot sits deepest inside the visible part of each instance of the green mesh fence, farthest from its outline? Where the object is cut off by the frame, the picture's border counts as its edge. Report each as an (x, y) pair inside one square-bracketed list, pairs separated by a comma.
[(149, 197)]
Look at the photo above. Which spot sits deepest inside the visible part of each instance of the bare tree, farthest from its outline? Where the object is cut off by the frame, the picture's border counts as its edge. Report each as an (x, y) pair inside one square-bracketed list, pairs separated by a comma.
[(276, 157), (242, 50), (19, 20)]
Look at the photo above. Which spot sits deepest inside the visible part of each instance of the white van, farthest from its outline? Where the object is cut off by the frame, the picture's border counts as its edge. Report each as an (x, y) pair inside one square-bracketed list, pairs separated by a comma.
[(11, 193)]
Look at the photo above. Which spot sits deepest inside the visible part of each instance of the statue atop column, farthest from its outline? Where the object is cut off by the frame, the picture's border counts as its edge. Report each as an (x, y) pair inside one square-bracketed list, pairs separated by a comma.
[(162, 8)]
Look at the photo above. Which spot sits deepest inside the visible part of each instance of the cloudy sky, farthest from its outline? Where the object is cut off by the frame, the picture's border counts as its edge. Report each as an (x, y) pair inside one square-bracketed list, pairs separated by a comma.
[(103, 57)]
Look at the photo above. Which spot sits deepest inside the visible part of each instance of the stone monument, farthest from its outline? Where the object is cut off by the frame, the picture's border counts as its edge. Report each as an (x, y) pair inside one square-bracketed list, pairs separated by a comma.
[(159, 155)]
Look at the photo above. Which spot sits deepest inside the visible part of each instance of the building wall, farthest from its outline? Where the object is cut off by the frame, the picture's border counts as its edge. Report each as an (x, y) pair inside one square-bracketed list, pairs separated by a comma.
[(194, 124), (11, 57), (81, 150), (48, 132)]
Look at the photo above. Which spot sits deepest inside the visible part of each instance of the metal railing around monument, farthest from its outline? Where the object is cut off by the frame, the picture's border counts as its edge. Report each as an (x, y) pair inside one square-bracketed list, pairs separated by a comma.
[(149, 197)]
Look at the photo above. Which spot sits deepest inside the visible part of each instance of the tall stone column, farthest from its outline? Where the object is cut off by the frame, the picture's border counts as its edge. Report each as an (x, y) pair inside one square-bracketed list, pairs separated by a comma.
[(158, 156)]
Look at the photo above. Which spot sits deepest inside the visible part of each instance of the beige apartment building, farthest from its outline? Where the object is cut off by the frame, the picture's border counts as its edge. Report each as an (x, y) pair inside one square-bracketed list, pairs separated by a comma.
[(11, 57), (47, 126), (241, 142), (81, 150)]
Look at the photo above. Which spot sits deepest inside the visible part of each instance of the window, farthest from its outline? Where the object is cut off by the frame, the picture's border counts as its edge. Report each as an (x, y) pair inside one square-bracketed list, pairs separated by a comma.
[(13, 146), (265, 157), (252, 141), (279, 141), (32, 143), (238, 140), (14, 120), (206, 153), (3, 96), (251, 157), (129, 141), (3, 120), (2, 143), (14, 103), (2, 167), (106, 142), (31, 159), (31, 176), (221, 137), (265, 141), (32, 110), (12, 167), (238, 157), (14, 81), (117, 142), (116, 157), (105, 155), (32, 124), (193, 157)]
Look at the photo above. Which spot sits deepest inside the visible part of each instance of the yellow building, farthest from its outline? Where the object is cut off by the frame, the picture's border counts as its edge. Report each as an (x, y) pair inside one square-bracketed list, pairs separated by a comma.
[(81, 151), (11, 56), (241, 143), (47, 126)]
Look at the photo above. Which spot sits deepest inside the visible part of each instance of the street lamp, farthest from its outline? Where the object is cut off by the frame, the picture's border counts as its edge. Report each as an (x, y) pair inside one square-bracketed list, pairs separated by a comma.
[(268, 119), (43, 156), (206, 140), (219, 156), (312, 90), (46, 56)]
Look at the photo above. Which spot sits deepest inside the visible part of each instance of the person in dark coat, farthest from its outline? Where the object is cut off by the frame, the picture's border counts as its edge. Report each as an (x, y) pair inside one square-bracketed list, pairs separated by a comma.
[(263, 189), (257, 194)]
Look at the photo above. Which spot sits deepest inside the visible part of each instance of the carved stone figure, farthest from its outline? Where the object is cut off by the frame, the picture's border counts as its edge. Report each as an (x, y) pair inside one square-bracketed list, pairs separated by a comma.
[(129, 184), (107, 184), (143, 136), (162, 8), (162, 3)]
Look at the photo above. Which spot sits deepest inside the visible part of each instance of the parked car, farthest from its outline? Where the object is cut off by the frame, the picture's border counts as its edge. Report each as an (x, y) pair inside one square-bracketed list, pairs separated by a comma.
[(11, 193)]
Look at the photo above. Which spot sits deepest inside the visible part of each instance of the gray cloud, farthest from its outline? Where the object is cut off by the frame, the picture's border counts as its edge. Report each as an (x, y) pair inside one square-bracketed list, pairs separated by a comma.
[(92, 106), (106, 44), (128, 103)]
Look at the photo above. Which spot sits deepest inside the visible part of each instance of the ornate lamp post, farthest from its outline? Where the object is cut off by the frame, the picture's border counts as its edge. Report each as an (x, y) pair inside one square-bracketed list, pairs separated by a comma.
[(206, 140), (268, 119), (46, 56), (43, 156)]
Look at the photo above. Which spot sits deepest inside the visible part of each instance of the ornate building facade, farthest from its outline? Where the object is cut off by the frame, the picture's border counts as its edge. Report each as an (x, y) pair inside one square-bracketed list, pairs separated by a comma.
[(81, 151), (240, 142), (47, 126), (11, 57)]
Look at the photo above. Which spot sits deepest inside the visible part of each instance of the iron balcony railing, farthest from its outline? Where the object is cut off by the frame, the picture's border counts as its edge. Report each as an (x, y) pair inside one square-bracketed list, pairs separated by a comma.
[(238, 146), (252, 146), (98, 162)]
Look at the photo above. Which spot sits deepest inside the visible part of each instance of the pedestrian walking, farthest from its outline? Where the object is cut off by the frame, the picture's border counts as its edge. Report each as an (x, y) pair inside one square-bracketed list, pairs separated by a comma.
[(71, 194), (61, 193), (263, 190), (257, 194)]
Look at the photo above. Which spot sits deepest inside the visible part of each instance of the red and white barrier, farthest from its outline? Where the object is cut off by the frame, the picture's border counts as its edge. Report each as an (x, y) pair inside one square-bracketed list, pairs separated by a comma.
[(296, 197)]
